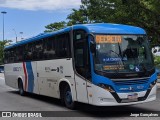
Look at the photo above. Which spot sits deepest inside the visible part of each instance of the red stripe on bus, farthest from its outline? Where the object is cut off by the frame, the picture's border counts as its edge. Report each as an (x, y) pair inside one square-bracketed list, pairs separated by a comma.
[(25, 73)]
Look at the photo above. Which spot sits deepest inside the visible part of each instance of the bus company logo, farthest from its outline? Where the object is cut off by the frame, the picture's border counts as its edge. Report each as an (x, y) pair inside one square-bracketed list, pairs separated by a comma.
[(131, 88), (140, 87), (17, 68), (47, 69), (6, 114)]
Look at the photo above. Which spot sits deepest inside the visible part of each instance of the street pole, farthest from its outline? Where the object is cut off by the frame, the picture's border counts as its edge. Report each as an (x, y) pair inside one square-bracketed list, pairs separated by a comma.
[(3, 12), (15, 34), (21, 35)]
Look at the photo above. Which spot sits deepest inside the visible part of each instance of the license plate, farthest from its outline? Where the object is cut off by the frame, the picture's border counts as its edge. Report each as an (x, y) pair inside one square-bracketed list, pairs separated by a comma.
[(133, 96)]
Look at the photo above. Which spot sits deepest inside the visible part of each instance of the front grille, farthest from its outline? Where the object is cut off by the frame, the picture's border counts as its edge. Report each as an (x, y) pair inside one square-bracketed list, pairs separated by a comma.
[(131, 82)]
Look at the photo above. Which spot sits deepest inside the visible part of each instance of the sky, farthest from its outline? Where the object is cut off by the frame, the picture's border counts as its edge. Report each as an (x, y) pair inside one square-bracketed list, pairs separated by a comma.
[(28, 18)]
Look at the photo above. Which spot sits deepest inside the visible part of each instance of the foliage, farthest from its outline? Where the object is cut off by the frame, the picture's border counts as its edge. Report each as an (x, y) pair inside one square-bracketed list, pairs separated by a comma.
[(2, 45), (157, 61), (142, 13), (55, 26), (77, 16)]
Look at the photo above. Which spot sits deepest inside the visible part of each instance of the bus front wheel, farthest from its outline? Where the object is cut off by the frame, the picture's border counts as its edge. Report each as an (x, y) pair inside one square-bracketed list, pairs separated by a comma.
[(20, 86), (67, 95)]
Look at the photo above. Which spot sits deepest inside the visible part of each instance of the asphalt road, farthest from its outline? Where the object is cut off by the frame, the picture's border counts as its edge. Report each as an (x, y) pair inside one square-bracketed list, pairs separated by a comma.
[(10, 100)]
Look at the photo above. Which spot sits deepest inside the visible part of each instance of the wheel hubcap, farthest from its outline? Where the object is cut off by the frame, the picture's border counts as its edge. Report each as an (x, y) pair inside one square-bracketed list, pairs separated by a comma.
[(68, 97)]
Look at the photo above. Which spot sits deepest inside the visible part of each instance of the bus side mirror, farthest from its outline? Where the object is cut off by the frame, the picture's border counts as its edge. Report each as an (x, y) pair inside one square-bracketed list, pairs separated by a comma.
[(92, 46), (92, 43)]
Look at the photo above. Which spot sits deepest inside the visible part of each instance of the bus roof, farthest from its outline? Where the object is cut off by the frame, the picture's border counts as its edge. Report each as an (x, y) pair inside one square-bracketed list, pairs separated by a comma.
[(99, 28), (109, 28)]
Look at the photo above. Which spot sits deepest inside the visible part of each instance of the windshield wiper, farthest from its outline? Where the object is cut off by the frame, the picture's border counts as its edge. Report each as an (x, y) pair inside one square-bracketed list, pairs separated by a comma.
[(118, 63), (120, 52), (118, 56)]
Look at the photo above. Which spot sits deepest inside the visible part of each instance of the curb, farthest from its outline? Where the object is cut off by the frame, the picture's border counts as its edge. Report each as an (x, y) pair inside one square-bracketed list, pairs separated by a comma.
[(158, 85)]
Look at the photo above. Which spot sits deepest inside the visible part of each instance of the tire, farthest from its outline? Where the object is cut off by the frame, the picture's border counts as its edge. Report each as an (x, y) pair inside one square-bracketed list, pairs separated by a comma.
[(67, 96), (62, 97), (21, 90)]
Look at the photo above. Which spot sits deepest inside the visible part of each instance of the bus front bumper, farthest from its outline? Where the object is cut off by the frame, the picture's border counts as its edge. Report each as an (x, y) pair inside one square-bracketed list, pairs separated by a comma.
[(102, 97)]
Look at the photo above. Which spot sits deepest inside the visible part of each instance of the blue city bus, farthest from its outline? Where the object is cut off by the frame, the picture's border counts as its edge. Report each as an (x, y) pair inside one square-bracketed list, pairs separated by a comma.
[(99, 64)]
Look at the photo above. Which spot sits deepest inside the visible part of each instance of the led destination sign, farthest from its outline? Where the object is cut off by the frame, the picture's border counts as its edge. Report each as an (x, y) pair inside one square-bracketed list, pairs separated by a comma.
[(108, 39)]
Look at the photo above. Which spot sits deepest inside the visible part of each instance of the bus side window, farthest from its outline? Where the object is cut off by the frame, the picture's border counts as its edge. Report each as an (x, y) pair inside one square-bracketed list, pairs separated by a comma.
[(68, 45), (49, 49), (35, 52), (63, 46), (6, 56), (27, 52), (12, 56), (34, 56), (59, 46), (9, 55), (19, 53)]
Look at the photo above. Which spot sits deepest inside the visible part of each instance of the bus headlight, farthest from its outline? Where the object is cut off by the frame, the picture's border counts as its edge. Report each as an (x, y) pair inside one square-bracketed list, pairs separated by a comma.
[(106, 87), (153, 83)]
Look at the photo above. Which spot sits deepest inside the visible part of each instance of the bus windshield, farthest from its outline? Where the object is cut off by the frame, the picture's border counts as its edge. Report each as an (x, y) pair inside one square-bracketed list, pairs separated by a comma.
[(123, 53)]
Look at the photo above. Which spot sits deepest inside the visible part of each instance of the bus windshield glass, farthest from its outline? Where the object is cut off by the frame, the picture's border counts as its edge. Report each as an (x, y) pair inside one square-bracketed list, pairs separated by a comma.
[(123, 53)]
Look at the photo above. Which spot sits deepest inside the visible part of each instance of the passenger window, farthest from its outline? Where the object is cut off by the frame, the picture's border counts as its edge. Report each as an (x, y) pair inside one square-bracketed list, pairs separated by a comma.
[(27, 52), (49, 48), (63, 46), (19, 54), (35, 50), (12, 56), (54, 47)]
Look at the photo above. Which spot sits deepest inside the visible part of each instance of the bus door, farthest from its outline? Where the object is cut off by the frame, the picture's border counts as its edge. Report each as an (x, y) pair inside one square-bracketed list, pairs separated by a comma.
[(82, 65)]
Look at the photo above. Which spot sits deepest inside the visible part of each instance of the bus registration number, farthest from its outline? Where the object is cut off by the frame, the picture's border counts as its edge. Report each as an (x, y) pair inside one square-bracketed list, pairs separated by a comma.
[(133, 96)]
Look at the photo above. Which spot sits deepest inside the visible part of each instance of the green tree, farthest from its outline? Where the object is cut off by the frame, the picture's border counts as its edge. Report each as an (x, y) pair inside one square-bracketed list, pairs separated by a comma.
[(77, 16), (55, 26), (142, 13), (2, 45)]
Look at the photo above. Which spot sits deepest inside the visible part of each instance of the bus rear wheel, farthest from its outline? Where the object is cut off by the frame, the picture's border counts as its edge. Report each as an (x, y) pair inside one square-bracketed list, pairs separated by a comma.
[(68, 100), (20, 86)]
